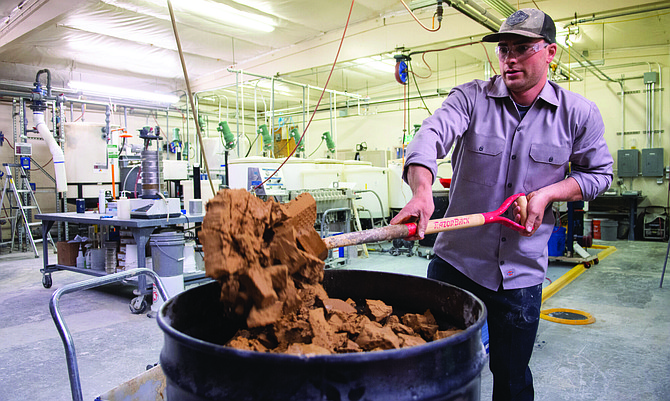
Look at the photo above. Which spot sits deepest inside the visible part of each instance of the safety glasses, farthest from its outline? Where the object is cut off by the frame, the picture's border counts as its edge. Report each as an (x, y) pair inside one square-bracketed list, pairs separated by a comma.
[(519, 52)]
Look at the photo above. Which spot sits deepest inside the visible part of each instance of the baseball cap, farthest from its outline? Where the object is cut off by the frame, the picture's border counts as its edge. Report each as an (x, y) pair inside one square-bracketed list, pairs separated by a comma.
[(527, 22)]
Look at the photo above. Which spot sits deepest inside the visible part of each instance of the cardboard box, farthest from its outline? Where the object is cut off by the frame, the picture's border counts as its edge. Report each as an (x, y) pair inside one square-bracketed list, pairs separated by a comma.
[(67, 253)]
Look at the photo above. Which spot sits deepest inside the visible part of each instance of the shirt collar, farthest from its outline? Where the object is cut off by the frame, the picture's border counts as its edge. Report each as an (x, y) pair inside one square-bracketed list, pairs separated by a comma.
[(498, 89)]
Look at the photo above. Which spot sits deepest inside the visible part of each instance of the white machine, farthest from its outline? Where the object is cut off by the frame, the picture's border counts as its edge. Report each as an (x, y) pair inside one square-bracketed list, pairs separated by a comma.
[(87, 164), (154, 208), (272, 187)]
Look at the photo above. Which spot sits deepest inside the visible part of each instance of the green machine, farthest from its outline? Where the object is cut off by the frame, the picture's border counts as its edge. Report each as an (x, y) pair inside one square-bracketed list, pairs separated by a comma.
[(295, 134), (267, 138), (329, 141), (228, 137)]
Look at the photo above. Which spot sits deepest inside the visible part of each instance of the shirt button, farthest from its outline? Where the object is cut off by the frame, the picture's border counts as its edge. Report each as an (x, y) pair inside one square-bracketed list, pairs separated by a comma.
[(502, 262), (509, 185), (551, 159), (503, 239), (481, 148), (513, 157)]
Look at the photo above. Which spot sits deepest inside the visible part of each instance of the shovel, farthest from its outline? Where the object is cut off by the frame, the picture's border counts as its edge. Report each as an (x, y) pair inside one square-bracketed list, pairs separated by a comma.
[(434, 226)]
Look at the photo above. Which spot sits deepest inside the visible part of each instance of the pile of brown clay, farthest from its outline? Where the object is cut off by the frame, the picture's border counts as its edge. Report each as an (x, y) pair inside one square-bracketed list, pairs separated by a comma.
[(341, 327), (269, 261)]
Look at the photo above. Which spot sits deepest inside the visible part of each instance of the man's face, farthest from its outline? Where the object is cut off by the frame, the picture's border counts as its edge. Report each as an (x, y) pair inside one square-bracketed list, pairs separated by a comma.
[(524, 61)]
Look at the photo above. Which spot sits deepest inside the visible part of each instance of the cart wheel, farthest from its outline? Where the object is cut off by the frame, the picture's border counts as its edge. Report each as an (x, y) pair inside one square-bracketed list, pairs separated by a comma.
[(587, 264), (596, 261), (46, 280), (138, 305)]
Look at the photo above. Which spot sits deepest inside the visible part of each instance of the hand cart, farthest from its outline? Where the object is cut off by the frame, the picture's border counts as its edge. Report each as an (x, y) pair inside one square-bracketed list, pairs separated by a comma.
[(70, 354)]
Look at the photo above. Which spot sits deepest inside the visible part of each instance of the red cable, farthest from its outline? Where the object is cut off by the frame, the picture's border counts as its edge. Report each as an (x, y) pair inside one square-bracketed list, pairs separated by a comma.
[(45, 164), (317, 103), (423, 55)]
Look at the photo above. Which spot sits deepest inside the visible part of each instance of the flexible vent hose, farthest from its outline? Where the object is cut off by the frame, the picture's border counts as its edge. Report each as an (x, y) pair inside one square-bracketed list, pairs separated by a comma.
[(56, 151)]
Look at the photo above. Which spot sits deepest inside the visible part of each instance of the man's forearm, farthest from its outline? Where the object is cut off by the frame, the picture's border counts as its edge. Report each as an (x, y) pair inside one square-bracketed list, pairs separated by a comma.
[(420, 179), (567, 190)]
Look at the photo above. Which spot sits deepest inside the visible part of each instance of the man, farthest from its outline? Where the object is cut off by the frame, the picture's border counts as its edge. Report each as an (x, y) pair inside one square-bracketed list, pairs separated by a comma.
[(517, 132)]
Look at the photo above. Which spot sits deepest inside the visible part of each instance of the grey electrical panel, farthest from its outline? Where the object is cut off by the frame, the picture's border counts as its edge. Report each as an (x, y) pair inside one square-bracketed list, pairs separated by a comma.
[(627, 162), (650, 77), (652, 162)]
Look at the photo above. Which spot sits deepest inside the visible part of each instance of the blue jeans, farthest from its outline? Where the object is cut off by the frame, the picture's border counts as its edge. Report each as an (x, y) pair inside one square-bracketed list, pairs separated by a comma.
[(513, 318)]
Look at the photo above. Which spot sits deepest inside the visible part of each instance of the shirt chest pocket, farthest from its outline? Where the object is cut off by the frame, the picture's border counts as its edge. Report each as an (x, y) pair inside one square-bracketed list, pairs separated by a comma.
[(482, 158), (547, 164)]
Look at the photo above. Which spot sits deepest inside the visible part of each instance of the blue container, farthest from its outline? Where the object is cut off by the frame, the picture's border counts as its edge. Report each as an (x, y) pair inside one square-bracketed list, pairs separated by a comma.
[(557, 242)]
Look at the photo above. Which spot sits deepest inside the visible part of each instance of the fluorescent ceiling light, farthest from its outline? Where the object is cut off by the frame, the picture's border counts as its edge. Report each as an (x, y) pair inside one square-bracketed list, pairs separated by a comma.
[(376, 63), (116, 92), (568, 35), (223, 13)]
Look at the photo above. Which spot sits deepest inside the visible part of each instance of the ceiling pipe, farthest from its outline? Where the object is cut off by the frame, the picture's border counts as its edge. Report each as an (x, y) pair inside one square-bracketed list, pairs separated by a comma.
[(482, 16), (466, 8), (231, 70), (502, 7), (619, 13)]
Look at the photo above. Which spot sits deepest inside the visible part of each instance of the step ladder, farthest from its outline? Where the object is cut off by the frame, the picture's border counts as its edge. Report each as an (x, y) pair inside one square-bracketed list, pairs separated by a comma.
[(23, 211)]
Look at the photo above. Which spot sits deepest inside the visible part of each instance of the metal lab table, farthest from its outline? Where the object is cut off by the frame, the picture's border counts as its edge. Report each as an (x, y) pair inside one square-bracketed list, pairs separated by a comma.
[(625, 205), (141, 229)]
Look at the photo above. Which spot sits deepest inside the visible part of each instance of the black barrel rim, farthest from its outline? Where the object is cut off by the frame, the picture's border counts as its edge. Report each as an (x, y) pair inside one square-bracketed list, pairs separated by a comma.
[(201, 345)]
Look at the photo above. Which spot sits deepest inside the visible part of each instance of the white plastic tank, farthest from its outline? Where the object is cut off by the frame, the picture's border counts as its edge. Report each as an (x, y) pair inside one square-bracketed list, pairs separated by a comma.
[(85, 148), (328, 164), (373, 179), (294, 172), (399, 192), (238, 169), (323, 174), (214, 151)]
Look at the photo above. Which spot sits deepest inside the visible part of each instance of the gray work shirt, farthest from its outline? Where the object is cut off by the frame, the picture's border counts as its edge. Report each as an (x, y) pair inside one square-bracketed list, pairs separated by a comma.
[(498, 154)]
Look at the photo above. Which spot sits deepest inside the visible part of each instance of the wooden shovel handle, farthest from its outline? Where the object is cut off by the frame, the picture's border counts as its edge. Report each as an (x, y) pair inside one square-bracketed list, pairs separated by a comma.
[(367, 236), (434, 226)]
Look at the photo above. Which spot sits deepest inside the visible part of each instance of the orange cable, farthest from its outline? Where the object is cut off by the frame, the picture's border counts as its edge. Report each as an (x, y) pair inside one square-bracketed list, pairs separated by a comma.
[(439, 25)]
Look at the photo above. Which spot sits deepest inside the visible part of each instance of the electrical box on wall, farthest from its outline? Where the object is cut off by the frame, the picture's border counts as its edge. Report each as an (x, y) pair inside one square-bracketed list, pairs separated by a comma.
[(652, 162), (627, 162), (650, 77)]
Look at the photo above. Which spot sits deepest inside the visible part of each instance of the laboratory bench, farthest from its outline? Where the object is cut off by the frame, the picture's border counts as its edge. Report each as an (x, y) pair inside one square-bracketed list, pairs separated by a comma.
[(140, 228)]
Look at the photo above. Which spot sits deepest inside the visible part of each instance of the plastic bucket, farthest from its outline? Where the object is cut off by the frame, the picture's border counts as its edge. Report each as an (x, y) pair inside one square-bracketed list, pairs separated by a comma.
[(167, 253), (167, 259), (95, 259), (608, 230), (588, 227)]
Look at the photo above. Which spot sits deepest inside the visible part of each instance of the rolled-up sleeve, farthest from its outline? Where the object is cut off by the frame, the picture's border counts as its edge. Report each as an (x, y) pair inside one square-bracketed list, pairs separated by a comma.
[(591, 162)]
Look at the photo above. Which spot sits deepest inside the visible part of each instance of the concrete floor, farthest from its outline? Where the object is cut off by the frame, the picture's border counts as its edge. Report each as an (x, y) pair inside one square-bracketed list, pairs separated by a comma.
[(624, 355)]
